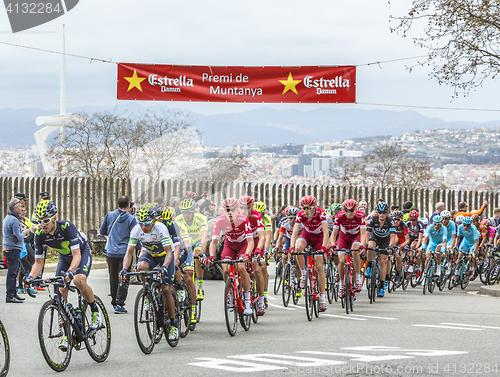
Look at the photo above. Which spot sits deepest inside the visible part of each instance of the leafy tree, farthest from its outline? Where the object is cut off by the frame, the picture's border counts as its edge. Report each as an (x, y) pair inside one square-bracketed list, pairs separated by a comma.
[(462, 38)]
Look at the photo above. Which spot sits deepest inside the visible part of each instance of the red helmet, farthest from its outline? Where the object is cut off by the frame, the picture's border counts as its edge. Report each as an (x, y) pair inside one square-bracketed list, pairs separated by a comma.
[(349, 205), (229, 203), (413, 215), (246, 201), (308, 201)]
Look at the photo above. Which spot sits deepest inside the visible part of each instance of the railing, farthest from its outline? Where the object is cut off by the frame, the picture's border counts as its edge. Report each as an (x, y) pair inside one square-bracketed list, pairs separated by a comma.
[(86, 201)]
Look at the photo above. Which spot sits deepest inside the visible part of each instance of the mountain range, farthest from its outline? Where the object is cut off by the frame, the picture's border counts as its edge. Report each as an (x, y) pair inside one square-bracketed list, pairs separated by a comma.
[(262, 126)]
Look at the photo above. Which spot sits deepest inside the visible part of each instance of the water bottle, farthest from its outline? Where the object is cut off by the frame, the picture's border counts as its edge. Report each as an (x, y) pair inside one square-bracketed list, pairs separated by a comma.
[(76, 313), (180, 293)]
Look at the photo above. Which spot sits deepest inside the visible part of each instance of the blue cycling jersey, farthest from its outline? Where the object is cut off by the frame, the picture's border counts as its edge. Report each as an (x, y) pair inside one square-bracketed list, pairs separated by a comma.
[(436, 235), (470, 235)]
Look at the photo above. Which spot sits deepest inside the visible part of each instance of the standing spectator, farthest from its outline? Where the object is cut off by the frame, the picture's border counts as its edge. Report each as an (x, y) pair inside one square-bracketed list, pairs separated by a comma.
[(495, 220), (363, 206), (439, 209), (117, 226), (13, 239), (175, 201)]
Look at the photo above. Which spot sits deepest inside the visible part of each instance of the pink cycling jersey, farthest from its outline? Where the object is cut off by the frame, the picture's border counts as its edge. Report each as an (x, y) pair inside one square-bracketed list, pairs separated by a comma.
[(236, 231), (347, 226), (312, 225)]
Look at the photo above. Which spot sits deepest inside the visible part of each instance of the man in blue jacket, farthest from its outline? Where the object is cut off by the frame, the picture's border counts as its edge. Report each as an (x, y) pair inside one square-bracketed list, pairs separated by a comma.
[(117, 226), (13, 240)]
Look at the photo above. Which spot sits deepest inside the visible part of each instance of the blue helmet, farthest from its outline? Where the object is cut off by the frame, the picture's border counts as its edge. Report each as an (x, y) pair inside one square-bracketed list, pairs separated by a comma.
[(437, 219), (467, 220), (382, 207)]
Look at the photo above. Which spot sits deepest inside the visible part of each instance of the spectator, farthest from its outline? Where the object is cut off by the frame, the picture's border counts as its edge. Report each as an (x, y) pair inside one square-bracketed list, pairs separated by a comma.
[(13, 239), (159, 200), (495, 220), (117, 226), (175, 201), (27, 256), (362, 206), (279, 216), (439, 209)]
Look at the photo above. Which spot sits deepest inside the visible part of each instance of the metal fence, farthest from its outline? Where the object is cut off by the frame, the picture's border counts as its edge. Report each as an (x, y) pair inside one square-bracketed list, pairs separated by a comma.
[(85, 201)]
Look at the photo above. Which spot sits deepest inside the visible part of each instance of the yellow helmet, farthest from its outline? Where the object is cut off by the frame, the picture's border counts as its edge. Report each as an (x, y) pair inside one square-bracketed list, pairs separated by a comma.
[(45, 208), (259, 207), (147, 212), (187, 205), (168, 213)]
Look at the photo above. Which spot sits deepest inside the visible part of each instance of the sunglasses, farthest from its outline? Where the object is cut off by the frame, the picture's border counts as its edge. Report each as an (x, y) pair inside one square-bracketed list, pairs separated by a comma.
[(397, 219), (382, 213), (292, 217), (46, 221), (350, 210), (230, 210), (307, 208), (146, 223)]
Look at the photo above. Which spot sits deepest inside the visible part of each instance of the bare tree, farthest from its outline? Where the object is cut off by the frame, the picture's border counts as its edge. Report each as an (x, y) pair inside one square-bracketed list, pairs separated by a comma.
[(412, 173), (462, 38), (234, 167), (352, 171), (382, 162)]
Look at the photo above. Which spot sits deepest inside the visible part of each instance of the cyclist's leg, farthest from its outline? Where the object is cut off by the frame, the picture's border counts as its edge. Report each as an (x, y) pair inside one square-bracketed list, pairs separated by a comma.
[(62, 266), (196, 250), (166, 286)]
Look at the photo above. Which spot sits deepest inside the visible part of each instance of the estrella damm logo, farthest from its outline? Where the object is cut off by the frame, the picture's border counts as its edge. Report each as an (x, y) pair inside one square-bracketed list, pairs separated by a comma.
[(24, 14)]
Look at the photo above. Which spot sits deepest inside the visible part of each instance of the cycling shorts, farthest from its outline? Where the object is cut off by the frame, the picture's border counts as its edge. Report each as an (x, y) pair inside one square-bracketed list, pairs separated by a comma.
[(158, 261), (286, 246), (186, 260), (431, 247), (312, 238), (196, 246), (232, 250), (467, 248), (83, 268), (347, 241), (381, 242)]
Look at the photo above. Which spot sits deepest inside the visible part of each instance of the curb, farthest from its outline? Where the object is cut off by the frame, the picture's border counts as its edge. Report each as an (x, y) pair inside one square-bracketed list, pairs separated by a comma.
[(490, 291), (98, 265)]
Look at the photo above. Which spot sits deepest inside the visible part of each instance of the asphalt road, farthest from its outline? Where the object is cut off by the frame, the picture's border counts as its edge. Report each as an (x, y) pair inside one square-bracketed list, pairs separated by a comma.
[(404, 334)]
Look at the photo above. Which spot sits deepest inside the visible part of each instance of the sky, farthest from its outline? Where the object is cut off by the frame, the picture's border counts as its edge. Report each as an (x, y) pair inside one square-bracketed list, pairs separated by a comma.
[(216, 32)]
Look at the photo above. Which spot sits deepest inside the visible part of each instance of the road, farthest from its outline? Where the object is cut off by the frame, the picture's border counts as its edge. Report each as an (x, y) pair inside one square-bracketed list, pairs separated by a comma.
[(403, 334)]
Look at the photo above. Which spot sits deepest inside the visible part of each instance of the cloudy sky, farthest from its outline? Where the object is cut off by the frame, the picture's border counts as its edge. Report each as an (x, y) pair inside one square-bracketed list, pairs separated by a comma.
[(250, 33)]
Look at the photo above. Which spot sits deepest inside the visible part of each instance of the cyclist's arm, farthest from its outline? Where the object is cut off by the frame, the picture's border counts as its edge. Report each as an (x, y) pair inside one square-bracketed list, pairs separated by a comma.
[(326, 233), (77, 258), (333, 237), (363, 236), (37, 267), (250, 246), (407, 241), (476, 246), (213, 247), (169, 255), (262, 240), (204, 241), (268, 234), (295, 234), (177, 253), (280, 238), (394, 240)]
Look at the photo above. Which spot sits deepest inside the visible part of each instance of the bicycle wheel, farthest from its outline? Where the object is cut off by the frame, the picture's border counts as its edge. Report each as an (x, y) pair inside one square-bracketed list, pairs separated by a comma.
[(493, 273), (230, 307), (278, 277), (185, 310), (245, 320), (405, 281), (308, 295), (177, 316), (145, 321), (330, 283), (98, 340), (52, 328), (485, 267), (293, 279), (373, 283), (255, 302), (286, 290), (347, 288), (315, 296), (464, 282), (4, 351)]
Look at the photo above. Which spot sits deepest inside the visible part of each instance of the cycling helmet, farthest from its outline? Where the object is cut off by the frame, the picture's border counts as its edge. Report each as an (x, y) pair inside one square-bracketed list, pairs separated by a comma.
[(445, 214), (168, 213), (229, 203), (437, 219), (187, 205), (147, 212), (327, 211), (485, 222), (246, 201), (335, 208), (397, 214), (459, 218), (349, 205), (259, 207), (382, 207), (292, 211), (413, 215), (45, 208), (424, 221), (308, 201), (467, 220)]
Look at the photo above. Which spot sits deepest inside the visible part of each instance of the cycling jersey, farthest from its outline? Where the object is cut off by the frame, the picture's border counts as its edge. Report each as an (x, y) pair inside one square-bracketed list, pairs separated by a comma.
[(414, 229), (236, 232), (451, 230), (470, 235), (348, 226), (287, 228), (178, 233), (436, 235), (381, 231), (268, 224), (256, 223), (312, 225), (199, 223), (401, 231), (154, 241)]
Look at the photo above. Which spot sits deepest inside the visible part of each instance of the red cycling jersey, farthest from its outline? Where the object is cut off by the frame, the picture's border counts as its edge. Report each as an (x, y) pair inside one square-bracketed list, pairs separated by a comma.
[(347, 226), (256, 222), (311, 225), (236, 231)]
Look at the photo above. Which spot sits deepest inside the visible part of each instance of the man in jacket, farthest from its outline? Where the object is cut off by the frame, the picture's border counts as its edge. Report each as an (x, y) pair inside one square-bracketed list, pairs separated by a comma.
[(13, 239), (117, 226)]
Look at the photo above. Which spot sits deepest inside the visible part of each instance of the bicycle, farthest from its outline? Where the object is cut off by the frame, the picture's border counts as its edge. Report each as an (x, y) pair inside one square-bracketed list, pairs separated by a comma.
[(5, 349), (311, 290), (150, 311), (198, 301), (349, 281), (331, 285), (429, 280), (487, 262), (57, 321), (290, 282), (184, 301), (234, 301), (460, 274), (278, 275), (372, 281)]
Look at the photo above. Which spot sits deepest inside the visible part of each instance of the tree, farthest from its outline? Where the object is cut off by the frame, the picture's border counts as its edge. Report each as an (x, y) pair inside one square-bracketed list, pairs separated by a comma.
[(383, 161), (352, 171), (234, 167), (462, 38), (412, 173)]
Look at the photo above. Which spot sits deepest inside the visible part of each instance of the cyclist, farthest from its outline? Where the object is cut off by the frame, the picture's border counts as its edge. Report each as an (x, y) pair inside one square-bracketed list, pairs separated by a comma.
[(435, 239), (196, 225), (403, 239), (470, 242), (238, 244), (315, 231), (451, 228), (350, 229), (260, 207), (156, 251), (416, 232), (182, 253), (382, 234), (284, 238), (335, 208), (75, 257), (246, 209)]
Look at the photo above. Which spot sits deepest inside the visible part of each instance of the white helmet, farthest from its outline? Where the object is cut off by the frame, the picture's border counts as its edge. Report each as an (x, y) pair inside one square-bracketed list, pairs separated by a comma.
[(424, 221), (459, 219), (445, 214)]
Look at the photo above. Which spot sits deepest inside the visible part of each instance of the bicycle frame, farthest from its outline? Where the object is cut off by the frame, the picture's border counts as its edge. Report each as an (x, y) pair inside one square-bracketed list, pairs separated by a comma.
[(233, 273)]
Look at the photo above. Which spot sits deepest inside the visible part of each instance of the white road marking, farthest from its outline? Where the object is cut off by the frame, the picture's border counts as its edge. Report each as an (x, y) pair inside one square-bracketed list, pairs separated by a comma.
[(462, 324), (450, 327), (280, 306), (407, 351), (370, 316), (271, 297), (358, 357), (288, 359), (344, 317), (233, 365)]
